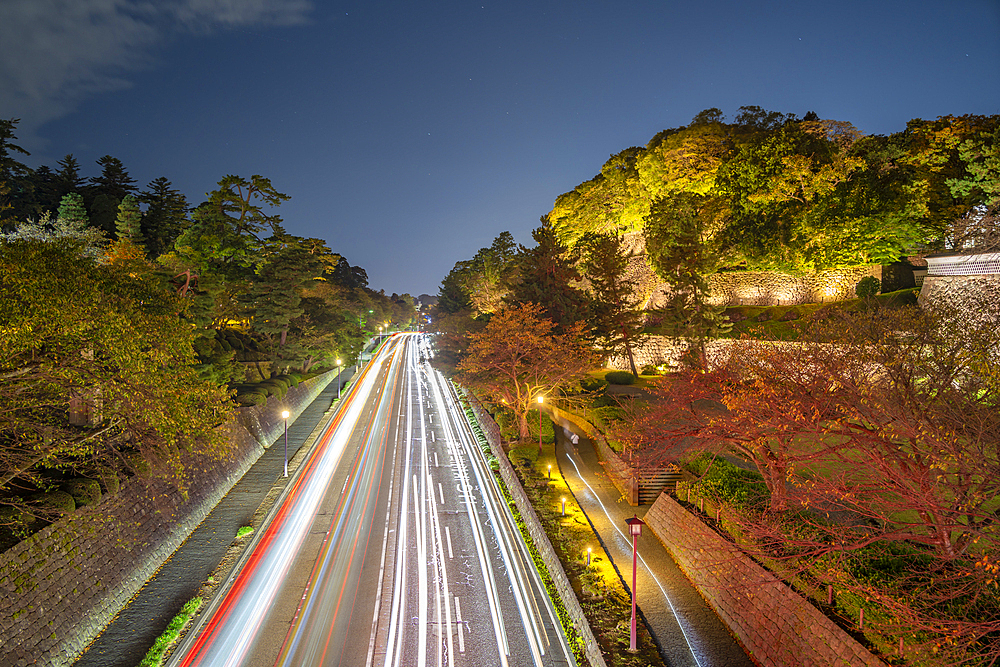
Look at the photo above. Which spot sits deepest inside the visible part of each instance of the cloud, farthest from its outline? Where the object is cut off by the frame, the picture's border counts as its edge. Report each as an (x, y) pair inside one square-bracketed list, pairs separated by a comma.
[(56, 53)]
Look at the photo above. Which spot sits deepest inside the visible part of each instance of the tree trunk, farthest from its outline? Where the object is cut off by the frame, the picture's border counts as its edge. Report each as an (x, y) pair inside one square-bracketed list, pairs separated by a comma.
[(523, 431)]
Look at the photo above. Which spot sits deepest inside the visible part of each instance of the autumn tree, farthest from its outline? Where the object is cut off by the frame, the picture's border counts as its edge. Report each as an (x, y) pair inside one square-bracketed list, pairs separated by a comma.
[(518, 357)]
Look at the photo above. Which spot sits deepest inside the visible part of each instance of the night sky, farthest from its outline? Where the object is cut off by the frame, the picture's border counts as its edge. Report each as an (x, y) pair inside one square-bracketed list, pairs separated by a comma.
[(410, 134)]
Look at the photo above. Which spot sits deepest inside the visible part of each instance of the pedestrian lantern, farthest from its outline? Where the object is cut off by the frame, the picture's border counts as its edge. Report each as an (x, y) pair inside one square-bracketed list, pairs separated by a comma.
[(635, 525)]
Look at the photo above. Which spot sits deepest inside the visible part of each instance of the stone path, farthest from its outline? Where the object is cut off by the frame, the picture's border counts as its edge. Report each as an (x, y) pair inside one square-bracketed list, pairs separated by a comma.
[(685, 628)]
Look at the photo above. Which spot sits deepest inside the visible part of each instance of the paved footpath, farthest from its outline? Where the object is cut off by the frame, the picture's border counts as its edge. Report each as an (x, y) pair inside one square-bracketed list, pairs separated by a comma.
[(125, 642), (685, 628)]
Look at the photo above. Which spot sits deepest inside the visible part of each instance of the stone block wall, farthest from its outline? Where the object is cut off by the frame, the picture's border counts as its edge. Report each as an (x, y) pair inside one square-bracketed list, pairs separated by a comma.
[(958, 291), (655, 350), (751, 288), (565, 589), (777, 626), (60, 587)]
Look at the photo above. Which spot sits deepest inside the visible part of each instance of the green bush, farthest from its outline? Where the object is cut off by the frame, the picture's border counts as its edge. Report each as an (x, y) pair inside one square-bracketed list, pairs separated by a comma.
[(728, 483), (53, 501), (867, 287), (593, 384), (619, 377), (84, 491)]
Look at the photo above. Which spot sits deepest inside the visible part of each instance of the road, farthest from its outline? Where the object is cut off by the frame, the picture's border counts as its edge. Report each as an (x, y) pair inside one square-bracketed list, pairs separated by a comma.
[(390, 546)]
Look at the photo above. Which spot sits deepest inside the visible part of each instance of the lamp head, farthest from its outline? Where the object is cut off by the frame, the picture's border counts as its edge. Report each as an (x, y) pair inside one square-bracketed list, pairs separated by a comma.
[(284, 414)]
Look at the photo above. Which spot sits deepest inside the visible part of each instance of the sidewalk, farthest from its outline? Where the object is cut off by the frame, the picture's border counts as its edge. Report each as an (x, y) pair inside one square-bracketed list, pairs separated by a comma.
[(686, 629), (125, 642)]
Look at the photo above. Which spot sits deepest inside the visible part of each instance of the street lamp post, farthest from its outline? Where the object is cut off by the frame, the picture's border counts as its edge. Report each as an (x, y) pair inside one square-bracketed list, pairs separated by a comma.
[(635, 525), (339, 370), (540, 401), (284, 415)]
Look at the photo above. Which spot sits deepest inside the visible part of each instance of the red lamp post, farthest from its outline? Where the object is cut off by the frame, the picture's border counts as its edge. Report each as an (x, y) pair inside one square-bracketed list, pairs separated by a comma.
[(540, 401), (635, 525)]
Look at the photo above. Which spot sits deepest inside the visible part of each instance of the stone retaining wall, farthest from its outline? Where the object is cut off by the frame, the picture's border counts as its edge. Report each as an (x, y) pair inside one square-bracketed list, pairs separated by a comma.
[(751, 288), (60, 587), (565, 589), (656, 350), (778, 627), (959, 291)]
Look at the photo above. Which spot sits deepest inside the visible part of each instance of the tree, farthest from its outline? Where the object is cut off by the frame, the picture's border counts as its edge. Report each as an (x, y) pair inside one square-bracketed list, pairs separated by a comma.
[(617, 318), (548, 278), (68, 178), (518, 357), (488, 276), (127, 224), (165, 217), (680, 231), (12, 172), (453, 295), (79, 329)]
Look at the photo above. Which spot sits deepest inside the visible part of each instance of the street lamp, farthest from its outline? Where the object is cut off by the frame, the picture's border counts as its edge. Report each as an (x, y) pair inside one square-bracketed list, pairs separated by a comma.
[(635, 525), (540, 401), (284, 415), (339, 369)]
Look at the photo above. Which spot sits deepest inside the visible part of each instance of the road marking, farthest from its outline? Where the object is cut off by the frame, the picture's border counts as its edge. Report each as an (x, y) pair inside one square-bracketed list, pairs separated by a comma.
[(447, 534), (436, 464), (461, 628), (441, 492)]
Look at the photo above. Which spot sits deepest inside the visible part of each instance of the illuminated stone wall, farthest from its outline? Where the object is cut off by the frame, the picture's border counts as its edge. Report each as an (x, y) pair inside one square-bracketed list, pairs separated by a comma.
[(752, 288)]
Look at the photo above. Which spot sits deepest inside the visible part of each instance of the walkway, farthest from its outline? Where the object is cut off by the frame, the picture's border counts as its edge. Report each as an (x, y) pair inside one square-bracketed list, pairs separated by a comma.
[(125, 642), (686, 629)]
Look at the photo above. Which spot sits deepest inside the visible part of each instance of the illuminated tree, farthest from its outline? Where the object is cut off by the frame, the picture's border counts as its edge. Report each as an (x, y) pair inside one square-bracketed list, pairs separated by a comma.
[(518, 357), (548, 277), (618, 321), (97, 332)]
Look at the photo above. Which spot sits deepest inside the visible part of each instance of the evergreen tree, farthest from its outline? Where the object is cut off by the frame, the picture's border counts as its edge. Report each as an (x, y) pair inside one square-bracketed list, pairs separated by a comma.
[(616, 316), (68, 178), (72, 210), (127, 222), (12, 173), (548, 277), (165, 217)]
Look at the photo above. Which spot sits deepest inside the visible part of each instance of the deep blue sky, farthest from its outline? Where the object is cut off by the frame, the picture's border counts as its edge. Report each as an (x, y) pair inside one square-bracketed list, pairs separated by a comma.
[(410, 134)]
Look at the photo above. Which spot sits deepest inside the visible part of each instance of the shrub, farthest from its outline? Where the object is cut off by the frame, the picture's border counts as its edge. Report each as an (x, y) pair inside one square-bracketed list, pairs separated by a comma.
[(726, 482), (619, 377), (84, 491), (53, 501), (593, 384), (867, 287)]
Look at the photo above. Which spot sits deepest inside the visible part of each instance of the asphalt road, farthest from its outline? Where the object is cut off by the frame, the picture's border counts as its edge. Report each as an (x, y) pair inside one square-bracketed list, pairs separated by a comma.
[(391, 545)]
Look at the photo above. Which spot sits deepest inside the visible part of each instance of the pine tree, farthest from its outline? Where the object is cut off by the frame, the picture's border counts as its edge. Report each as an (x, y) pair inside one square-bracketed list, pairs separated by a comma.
[(548, 277), (128, 221)]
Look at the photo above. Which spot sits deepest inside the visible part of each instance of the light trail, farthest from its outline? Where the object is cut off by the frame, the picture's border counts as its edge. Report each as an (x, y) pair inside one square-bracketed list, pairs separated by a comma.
[(315, 588), (226, 633)]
